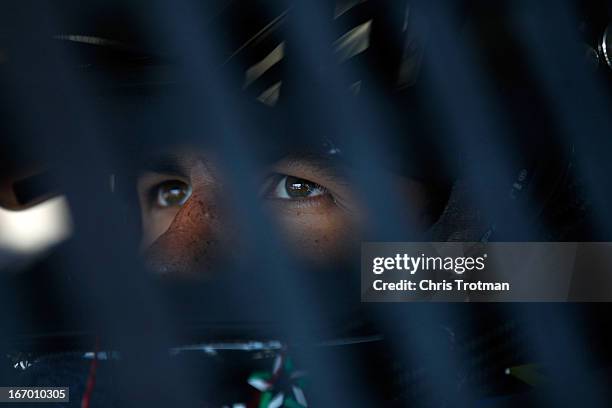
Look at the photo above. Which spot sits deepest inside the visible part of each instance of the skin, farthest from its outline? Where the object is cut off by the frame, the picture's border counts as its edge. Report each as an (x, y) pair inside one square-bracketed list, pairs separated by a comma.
[(321, 225)]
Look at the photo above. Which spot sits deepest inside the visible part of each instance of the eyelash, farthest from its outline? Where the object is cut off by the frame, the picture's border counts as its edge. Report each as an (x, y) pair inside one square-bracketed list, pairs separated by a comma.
[(279, 188), (156, 191), (276, 189)]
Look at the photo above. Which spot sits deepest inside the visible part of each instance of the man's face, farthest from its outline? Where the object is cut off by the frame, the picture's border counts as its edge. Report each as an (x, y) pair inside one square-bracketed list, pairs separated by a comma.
[(188, 224)]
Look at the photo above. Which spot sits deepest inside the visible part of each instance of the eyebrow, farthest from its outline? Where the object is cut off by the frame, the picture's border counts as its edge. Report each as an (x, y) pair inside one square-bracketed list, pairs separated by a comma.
[(321, 161), (334, 168), (174, 163), (170, 163)]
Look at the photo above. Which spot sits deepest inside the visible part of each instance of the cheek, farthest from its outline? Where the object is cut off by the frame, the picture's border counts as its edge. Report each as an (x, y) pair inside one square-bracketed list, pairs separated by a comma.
[(190, 245), (323, 236), (154, 224)]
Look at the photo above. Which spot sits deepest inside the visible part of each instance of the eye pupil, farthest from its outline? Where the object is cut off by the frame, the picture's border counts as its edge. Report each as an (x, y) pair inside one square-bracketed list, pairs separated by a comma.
[(297, 188), (173, 193)]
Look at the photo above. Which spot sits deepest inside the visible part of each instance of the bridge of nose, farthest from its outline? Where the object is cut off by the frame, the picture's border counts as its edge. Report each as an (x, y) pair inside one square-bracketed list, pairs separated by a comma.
[(191, 241)]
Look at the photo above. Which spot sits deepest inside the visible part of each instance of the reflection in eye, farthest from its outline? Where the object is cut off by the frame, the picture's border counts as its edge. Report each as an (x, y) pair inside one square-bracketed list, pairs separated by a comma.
[(293, 188), (172, 193)]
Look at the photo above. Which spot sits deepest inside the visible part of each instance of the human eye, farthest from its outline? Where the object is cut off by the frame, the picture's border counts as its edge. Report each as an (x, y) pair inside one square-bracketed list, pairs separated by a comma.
[(170, 193), (286, 187)]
